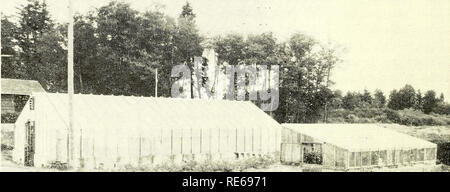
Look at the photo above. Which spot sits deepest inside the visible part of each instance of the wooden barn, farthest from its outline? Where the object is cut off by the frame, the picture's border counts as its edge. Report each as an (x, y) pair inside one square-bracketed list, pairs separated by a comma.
[(119, 130), (353, 146)]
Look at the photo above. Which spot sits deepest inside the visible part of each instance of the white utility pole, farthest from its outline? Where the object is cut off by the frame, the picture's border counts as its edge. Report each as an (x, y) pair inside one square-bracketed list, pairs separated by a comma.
[(70, 91), (156, 83)]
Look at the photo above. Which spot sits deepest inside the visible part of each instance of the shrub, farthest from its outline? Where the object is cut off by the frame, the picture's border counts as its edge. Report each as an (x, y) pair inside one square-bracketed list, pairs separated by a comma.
[(382, 119), (58, 165), (205, 166), (313, 157), (6, 147), (9, 117), (393, 115), (352, 118)]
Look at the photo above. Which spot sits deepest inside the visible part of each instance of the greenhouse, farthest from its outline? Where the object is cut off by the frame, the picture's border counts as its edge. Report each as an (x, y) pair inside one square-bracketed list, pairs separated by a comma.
[(121, 130), (352, 146)]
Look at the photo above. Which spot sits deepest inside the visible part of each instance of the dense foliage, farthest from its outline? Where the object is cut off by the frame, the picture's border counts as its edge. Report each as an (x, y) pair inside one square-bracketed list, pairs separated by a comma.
[(118, 49), (313, 157), (305, 67)]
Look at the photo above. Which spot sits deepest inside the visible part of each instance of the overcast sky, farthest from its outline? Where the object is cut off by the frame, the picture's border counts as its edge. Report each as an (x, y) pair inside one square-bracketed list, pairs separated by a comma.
[(388, 43)]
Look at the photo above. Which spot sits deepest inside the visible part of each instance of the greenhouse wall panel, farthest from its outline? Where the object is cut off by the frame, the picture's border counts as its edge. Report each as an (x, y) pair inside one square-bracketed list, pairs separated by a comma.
[(353, 146)]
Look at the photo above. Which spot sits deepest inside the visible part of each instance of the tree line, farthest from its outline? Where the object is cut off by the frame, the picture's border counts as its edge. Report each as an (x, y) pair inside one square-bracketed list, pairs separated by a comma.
[(117, 50), (404, 98)]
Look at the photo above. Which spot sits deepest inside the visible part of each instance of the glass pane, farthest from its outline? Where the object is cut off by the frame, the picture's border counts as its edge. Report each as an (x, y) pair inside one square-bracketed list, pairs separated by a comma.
[(383, 157), (413, 155), (340, 158), (374, 158), (430, 154), (352, 159), (365, 158), (358, 159), (420, 155)]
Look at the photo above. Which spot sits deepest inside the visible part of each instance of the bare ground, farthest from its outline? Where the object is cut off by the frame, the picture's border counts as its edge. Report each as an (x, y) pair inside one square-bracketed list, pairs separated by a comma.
[(7, 165)]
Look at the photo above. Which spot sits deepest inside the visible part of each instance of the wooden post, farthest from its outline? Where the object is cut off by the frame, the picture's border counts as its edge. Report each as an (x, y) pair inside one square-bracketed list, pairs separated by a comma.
[(302, 152), (140, 150), (171, 141), (70, 89), (435, 155), (347, 166), (191, 141), (360, 158), (334, 156)]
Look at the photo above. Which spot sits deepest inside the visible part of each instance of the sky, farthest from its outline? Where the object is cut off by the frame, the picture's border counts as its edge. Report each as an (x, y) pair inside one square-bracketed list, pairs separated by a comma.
[(387, 43)]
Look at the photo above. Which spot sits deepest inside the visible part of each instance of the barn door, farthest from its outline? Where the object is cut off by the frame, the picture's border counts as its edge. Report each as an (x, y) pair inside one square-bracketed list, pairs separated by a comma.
[(29, 143)]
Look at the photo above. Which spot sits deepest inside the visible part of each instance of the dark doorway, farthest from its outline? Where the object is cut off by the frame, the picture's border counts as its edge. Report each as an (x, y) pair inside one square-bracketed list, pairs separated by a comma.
[(29, 143), (443, 152)]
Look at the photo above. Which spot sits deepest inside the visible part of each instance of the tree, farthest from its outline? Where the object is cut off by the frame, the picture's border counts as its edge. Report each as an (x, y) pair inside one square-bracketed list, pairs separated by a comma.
[(52, 59), (304, 91), (305, 67), (379, 99), (86, 58), (366, 98), (187, 38), (231, 48), (157, 39), (261, 49), (336, 100), (419, 101), (351, 101), (11, 67), (129, 46), (442, 108), (404, 98), (429, 101), (42, 55), (441, 97), (187, 41), (122, 52), (394, 100), (187, 12)]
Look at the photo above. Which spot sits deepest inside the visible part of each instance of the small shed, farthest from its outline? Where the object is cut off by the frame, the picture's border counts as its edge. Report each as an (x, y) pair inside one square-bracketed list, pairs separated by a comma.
[(14, 88), (351, 146), (116, 130)]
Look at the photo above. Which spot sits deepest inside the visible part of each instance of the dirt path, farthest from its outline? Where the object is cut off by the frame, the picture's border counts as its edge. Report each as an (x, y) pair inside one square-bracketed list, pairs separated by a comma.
[(9, 166)]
